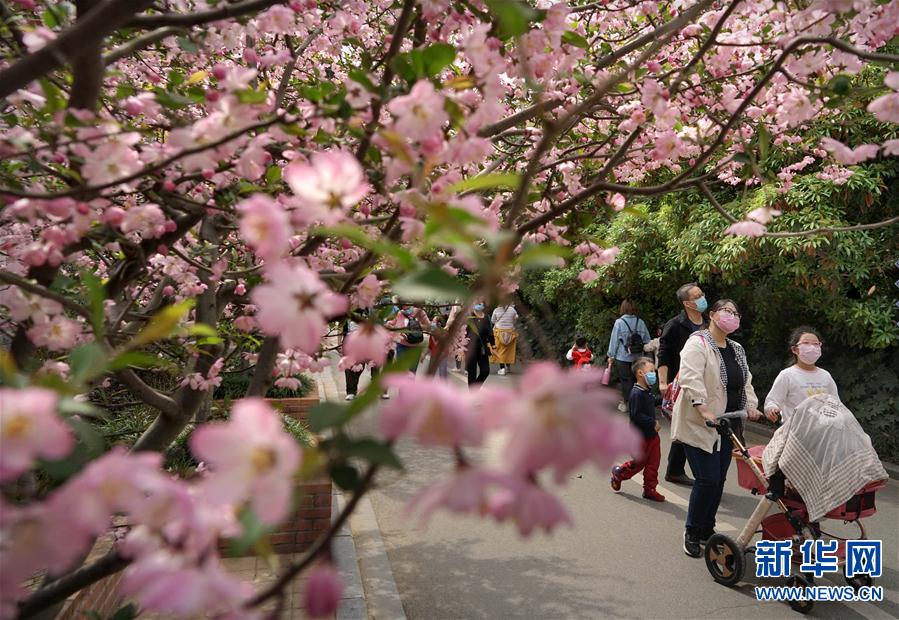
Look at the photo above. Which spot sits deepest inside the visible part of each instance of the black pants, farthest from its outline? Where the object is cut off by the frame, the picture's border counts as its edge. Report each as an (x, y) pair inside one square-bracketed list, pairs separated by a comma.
[(709, 473), (677, 459), (625, 378), (352, 379), (478, 369)]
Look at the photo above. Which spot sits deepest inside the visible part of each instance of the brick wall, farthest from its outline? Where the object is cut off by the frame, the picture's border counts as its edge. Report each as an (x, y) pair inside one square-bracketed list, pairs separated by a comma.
[(101, 597), (295, 407), (311, 520)]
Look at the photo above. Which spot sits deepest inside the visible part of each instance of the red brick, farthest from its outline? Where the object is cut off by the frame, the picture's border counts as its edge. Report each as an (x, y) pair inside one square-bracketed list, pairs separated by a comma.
[(321, 524), (306, 500), (282, 537), (316, 513), (315, 488), (308, 536)]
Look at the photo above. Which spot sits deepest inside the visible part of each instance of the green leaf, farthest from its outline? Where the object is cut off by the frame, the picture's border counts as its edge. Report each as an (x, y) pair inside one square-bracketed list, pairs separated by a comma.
[(431, 283), (327, 415), (252, 530), (87, 361), (172, 100), (185, 44), (373, 451), (128, 612), (764, 143), (273, 174), (176, 78), (50, 19), (840, 84), (360, 77), (345, 476), (542, 255), (507, 180), (70, 406), (56, 101), (409, 66), (138, 359), (513, 18), (572, 38), (97, 295), (251, 96), (162, 324), (123, 91), (436, 57)]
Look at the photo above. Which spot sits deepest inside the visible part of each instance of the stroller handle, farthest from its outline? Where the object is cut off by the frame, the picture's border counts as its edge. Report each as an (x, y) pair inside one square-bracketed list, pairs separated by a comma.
[(721, 425)]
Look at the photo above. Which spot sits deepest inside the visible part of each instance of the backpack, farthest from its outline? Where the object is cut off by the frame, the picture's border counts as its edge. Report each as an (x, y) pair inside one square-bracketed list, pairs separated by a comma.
[(634, 343), (414, 334)]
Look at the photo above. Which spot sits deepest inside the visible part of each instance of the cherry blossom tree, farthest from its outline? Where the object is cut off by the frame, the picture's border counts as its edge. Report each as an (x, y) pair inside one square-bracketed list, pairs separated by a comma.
[(190, 182)]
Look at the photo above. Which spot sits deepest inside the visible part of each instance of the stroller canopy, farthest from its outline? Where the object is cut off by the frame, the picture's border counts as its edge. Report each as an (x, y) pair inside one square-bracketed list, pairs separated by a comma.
[(824, 454)]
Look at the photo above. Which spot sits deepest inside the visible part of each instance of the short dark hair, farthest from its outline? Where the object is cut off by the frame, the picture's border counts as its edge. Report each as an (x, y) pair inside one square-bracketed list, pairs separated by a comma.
[(580, 341), (627, 307), (723, 302), (683, 293), (639, 364)]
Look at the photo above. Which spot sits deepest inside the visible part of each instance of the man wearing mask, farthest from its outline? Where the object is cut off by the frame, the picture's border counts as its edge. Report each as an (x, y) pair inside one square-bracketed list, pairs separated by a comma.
[(674, 337)]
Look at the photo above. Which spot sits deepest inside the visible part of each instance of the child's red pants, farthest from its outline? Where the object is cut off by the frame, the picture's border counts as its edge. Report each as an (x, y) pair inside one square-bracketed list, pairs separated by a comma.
[(648, 462)]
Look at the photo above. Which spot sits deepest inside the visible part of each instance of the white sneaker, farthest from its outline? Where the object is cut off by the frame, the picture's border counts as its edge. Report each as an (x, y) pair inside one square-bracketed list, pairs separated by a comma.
[(501, 372), (622, 407), (350, 397), (385, 395)]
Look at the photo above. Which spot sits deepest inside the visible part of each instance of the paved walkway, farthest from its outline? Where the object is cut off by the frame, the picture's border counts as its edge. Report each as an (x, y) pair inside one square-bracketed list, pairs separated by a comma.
[(623, 558)]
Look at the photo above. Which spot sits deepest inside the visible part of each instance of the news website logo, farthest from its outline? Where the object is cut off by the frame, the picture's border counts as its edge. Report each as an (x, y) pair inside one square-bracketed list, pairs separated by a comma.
[(862, 558)]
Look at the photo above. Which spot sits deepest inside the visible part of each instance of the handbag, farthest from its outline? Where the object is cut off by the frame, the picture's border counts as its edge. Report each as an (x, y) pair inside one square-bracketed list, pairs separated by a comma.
[(606, 376)]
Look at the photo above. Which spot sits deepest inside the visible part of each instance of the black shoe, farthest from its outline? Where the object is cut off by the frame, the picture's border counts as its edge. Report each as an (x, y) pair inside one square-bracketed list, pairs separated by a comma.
[(691, 545), (679, 479), (705, 535)]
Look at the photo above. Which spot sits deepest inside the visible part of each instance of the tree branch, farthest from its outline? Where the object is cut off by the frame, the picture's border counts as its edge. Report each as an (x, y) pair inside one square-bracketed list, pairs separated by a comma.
[(147, 394), (139, 43), (186, 20), (71, 44), (705, 192), (59, 589), (836, 229), (31, 287)]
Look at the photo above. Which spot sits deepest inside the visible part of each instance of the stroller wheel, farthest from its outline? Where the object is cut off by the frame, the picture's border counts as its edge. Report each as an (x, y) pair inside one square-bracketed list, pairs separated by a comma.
[(859, 581), (724, 559), (800, 581)]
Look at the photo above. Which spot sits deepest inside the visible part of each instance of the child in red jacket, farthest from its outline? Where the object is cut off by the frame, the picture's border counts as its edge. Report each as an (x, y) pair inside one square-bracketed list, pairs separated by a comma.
[(580, 353)]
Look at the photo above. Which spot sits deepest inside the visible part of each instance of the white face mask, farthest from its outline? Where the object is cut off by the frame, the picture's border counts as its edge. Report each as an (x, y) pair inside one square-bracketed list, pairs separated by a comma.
[(809, 353)]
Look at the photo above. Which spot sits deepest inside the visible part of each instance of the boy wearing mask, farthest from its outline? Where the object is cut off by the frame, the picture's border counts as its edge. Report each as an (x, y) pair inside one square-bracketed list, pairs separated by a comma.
[(642, 411)]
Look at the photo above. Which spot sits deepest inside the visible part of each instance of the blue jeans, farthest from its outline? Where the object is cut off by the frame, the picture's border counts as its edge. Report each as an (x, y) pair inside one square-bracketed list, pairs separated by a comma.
[(709, 473)]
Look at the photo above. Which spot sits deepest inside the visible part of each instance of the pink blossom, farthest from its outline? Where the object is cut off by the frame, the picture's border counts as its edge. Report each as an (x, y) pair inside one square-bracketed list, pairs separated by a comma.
[(329, 185), (147, 220), (296, 305), (668, 146), (23, 306), (367, 344), (886, 108), (603, 257), (587, 275), (468, 491), (559, 421), (795, 109), (432, 410), (617, 201), (30, 429), (891, 147), (278, 20), (746, 229), (166, 583), (367, 291), (763, 215), (56, 334), (848, 156), (420, 114), (529, 506), (198, 382), (322, 592), (111, 161), (251, 457), (264, 225)]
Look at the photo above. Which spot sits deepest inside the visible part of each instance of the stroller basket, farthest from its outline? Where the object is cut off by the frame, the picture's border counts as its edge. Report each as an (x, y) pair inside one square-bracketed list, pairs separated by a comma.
[(859, 506)]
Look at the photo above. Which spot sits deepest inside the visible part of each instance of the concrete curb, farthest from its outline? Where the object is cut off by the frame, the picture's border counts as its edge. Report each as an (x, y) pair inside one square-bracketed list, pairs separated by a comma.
[(359, 550)]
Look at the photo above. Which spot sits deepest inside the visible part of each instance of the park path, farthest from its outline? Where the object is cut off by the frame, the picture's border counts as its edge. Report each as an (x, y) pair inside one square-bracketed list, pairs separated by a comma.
[(623, 558)]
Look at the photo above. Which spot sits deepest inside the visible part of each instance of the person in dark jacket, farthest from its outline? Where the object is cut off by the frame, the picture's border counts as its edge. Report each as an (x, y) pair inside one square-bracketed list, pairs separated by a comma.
[(674, 337), (642, 411), (480, 336)]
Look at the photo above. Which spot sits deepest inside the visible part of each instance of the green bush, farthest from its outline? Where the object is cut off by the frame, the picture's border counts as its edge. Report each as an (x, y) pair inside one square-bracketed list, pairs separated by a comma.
[(235, 384)]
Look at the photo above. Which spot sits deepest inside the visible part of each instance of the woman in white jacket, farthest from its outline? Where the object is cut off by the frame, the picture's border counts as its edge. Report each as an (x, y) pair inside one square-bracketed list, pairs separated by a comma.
[(714, 379)]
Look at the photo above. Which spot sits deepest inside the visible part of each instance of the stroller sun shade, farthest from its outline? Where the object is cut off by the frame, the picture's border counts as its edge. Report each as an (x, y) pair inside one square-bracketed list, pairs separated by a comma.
[(824, 453)]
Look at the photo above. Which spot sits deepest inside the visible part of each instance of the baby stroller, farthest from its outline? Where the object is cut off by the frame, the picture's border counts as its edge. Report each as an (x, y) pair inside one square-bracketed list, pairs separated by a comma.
[(807, 481)]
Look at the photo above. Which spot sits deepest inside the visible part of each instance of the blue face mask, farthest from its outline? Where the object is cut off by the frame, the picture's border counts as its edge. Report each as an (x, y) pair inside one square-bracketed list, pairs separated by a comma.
[(408, 311), (394, 310), (701, 304), (479, 307), (651, 378)]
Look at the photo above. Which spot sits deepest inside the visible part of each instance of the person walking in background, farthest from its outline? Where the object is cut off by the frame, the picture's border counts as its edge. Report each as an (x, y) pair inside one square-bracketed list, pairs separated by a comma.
[(480, 337), (352, 376), (653, 347), (714, 381), (802, 378), (629, 336), (435, 340), (505, 337), (642, 411), (580, 354), (411, 321), (671, 342)]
